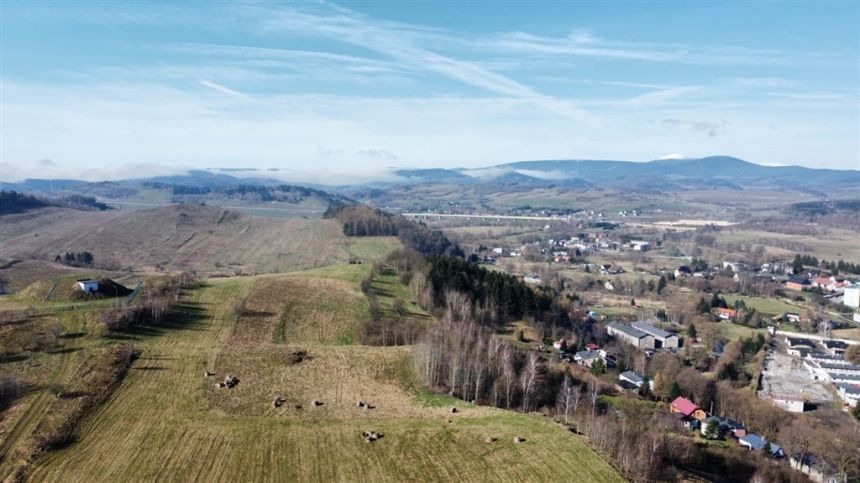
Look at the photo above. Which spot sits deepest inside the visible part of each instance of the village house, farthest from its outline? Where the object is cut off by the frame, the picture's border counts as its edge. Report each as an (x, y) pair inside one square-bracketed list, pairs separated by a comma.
[(630, 335), (562, 258), (633, 380), (684, 406), (640, 245), (87, 285), (662, 339), (682, 271), (754, 442), (587, 358), (727, 314), (688, 423), (797, 282), (732, 428), (791, 317)]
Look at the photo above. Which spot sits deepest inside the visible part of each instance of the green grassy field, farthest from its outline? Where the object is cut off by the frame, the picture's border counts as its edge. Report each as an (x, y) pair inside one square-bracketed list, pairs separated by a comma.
[(732, 331), (771, 306), (167, 422)]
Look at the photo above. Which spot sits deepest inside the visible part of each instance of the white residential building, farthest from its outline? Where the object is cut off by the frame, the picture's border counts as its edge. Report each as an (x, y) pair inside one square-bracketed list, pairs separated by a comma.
[(851, 297)]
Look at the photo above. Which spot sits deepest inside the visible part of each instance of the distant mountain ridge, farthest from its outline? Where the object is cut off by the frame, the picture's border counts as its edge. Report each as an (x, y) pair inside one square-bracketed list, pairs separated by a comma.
[(687, 173), (723, 172)]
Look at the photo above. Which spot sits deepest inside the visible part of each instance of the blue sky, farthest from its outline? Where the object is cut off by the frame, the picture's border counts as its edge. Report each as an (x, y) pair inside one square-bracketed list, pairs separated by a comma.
[(340, 91)]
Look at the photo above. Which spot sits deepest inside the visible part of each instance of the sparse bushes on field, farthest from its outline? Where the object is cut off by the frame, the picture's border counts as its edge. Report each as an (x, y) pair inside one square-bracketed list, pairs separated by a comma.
[(11, 387), (153, 307), (94, 380)]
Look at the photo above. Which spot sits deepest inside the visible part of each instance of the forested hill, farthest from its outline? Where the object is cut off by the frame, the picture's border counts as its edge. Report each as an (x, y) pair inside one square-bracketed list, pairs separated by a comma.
[(15, 202)]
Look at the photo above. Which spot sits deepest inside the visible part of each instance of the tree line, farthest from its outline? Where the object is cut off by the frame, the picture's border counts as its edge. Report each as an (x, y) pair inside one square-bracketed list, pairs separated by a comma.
[(362, 220), (841, 266), (502, 296), (76, 259), (283, 193), (15, 202)]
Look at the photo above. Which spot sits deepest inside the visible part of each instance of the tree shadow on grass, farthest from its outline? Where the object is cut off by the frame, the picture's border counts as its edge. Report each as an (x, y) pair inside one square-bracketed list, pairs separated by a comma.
[(67, 350), (383, 292), (73, 335), (185, 316)]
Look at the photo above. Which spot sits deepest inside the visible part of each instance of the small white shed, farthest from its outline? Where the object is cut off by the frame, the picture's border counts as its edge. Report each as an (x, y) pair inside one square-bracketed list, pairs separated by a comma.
[(88, 285)]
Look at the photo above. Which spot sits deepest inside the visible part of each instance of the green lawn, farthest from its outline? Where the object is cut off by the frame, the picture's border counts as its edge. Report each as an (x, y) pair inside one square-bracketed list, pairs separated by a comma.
[(770, 306)]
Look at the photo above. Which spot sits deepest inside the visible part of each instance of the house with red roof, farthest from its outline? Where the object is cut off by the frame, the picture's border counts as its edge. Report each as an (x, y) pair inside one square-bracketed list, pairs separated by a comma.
[(727, 314), (682, 405)]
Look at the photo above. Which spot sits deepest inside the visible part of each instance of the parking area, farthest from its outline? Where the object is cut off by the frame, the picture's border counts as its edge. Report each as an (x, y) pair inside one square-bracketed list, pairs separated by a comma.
[(784, 375)]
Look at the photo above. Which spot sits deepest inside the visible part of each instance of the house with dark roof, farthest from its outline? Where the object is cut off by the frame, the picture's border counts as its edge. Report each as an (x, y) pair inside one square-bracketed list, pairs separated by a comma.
[(662, 338), (835, 346), (797, 282), (682, 271), (754, 442), (633, 380), (587, 358), (799, 343), (630, 335)]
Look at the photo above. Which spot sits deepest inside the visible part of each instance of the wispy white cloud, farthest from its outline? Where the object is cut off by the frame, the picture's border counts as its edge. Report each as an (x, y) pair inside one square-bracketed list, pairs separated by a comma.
[(220, 88), (590, 46), (761, 81), (660, 96), (812, 96), (398, 42)]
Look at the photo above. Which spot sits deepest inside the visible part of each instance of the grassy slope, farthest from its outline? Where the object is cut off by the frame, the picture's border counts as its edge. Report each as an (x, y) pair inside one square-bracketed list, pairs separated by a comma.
[(207, 239), (157, 426)]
